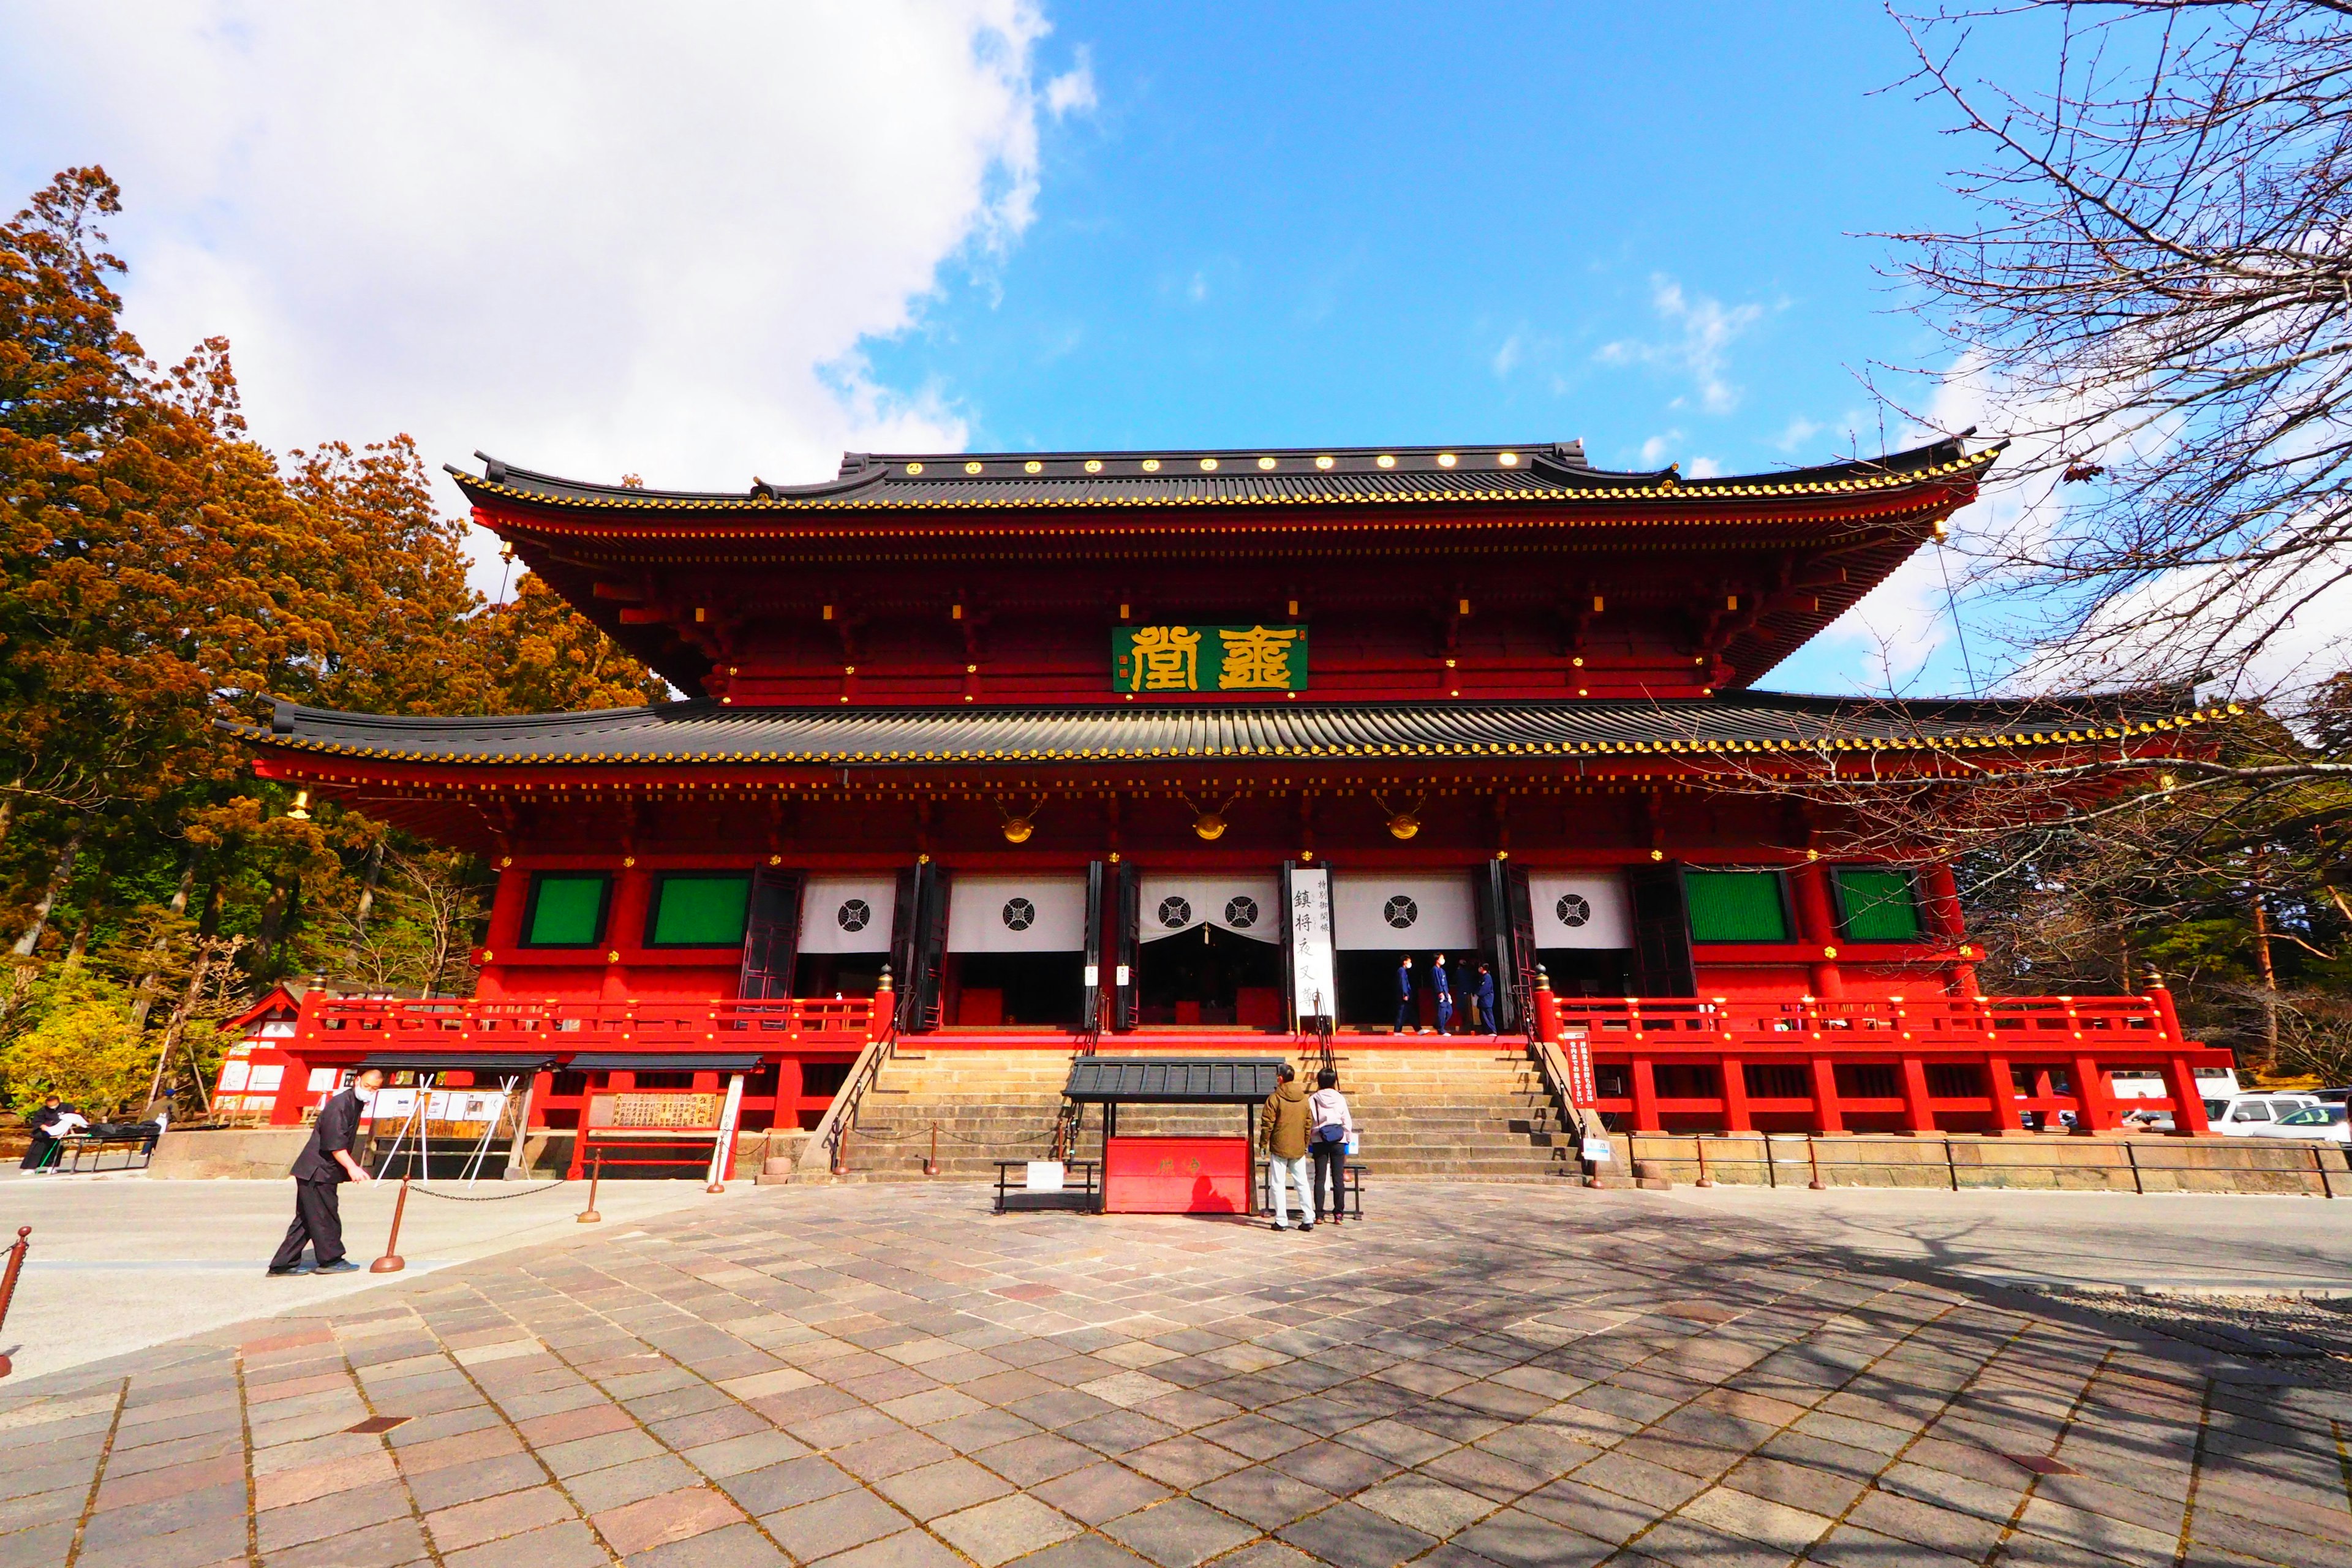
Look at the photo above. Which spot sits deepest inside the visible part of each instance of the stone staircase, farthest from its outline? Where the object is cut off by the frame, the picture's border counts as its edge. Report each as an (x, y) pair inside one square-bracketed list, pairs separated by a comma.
[(1481, 1113)]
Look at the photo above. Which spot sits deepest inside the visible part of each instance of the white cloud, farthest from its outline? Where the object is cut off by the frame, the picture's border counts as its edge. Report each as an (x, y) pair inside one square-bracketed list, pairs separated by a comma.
[(1800, 430), (1073, 92), (1702, 468), (1704, 330), (1655, 449), (585, 237), (1507, 358)]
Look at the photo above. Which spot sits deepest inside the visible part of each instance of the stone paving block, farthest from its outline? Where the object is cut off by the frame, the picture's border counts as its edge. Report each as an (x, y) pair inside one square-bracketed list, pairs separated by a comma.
[(731, 1546), (944, 1488), (1353, 1537), (492, 1519), (672, 1516), (910, 1549), (1008, 1527), (1096, 1552), (1026, 1461), (43, 1545), (833, 1524), (1337, 1468), (1515, 1539), (1850, 1546), (1264, 1496), (787, 1485), (1180, 1532), (585, 1454), (618, 1485), (390, 1544), (1949, 1531)]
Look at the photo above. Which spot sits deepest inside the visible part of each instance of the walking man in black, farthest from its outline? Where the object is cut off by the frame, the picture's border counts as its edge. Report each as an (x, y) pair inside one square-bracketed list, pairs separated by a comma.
[(325, 1164)]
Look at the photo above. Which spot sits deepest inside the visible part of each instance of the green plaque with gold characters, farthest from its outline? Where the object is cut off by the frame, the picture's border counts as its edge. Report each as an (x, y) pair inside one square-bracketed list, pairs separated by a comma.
[(1152, 660)]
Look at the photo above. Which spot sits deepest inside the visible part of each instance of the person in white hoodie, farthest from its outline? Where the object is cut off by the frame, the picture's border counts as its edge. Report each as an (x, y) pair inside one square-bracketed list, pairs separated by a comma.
[(1331, 1131)]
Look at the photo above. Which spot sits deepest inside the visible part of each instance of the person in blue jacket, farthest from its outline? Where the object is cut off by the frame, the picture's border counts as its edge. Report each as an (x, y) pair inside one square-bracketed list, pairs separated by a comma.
[(1408, 1019), (1444, 990), (1483, 1016)]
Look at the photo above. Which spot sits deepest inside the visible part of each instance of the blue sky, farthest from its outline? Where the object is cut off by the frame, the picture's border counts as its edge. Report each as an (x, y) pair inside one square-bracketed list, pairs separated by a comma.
[(740, 240), (1644, 226)]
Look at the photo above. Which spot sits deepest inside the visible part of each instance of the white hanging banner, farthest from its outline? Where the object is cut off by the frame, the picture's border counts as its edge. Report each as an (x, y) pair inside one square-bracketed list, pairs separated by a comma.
[(848, 914), (1417, 913), (1017, 914), (1314, 992), (1580, 910), (1247, 906)]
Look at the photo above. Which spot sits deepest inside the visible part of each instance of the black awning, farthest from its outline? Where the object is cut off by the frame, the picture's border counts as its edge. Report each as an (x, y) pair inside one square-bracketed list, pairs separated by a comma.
[(494, 1064), (660, 1061), (1183, 1080)]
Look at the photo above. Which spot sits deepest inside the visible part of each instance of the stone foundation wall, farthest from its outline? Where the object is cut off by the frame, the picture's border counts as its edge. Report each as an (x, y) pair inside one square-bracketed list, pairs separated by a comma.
[(2043, 1162)]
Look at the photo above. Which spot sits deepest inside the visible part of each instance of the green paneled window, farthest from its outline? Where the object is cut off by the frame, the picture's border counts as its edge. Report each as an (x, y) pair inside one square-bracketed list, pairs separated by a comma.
[(700, 908), (567, 909), (1736, 906), (1876, 904)]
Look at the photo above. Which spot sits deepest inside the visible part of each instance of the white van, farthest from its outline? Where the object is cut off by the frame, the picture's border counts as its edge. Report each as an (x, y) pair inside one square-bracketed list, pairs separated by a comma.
[(2253, 1115)]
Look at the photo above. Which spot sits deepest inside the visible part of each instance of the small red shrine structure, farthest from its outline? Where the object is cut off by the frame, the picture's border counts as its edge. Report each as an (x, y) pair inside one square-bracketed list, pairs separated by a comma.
[(1189, 748)]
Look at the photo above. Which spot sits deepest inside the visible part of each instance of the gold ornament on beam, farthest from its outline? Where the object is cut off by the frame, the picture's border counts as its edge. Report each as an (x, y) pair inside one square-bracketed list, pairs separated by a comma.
[(1017, 829), (1402, 824), (1208, 825)]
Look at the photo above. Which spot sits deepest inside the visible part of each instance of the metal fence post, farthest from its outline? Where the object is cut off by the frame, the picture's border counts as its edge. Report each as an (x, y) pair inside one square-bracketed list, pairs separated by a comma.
[(8, 1283)]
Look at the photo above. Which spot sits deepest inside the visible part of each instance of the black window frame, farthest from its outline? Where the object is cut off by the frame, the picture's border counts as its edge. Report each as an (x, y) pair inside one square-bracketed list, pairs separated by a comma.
[(1837, 904), (531, 912), (662, 879)]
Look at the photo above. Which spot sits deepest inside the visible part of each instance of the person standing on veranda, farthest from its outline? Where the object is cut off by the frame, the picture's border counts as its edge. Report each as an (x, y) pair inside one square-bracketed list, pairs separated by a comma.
[(1444, 987), (1408, 1016), (1283, 1131), (323, 1166)]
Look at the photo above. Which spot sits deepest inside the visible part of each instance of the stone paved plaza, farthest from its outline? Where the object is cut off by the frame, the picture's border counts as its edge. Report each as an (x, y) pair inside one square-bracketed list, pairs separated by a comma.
[(889, 1376)]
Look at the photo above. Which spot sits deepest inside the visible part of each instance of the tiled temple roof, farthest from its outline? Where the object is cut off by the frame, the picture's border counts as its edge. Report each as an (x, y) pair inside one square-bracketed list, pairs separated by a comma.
[(1534, 474), (706, 733)]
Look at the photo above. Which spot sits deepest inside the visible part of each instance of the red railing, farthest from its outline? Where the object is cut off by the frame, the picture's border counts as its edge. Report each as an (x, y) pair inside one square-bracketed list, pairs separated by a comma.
[(1802, 1025), (358, 1025), (1931, 1064)]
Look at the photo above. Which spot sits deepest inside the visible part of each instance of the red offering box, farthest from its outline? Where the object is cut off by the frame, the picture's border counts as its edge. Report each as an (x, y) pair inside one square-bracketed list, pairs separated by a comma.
[(1176, 1175)]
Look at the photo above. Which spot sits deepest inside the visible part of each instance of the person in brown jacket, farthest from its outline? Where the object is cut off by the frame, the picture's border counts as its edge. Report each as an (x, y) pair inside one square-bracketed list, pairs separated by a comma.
[(1282, 1131)]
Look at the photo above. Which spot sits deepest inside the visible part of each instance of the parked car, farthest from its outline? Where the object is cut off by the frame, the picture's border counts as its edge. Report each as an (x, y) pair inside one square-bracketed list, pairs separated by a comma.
[(2323, 1121), (2332, 1096), (2253, 1115)]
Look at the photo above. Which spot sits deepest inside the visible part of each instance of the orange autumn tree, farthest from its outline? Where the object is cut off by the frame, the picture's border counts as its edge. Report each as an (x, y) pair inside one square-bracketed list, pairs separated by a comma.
[(160, 570)]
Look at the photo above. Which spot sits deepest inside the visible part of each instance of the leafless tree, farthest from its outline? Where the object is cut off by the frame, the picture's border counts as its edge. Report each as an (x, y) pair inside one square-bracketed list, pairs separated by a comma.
[(2156, 307)]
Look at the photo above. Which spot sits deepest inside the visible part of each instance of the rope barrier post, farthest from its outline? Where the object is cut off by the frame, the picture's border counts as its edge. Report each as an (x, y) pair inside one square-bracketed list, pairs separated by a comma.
[(595, 1174), (8, 1283), (931, 1165), (391, 1262), (1813, 1161), (1700, 1142)]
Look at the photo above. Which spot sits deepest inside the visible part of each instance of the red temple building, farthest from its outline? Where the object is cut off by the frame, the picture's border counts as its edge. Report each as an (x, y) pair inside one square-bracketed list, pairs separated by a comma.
[(1183, 751)]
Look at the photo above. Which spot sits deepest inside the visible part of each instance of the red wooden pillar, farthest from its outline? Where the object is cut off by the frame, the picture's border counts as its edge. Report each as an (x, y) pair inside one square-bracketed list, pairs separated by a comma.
[(1645, 1098), (1735, 1118), (1827, 1117), (1919, 1116), (2188, 1099), (1944, 919), (630, 888), (1817, 927), (2093, 1110), (789, 1083), (1547, 1010), (2001, 1086)]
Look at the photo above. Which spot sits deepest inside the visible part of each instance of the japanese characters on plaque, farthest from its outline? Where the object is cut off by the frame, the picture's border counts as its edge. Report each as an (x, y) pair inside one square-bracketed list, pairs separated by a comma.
[(1151, 659)]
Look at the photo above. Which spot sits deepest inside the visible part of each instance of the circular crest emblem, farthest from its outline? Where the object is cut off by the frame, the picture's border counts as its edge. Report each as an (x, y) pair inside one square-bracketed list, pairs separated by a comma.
[(1400, 913), (1020, 914), (1175, 913), (1572, 910), (855, 914), (1241, 913)]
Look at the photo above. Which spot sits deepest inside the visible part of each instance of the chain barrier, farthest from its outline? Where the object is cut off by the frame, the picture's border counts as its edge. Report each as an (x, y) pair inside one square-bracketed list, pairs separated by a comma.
[(488, 1197), (879, 1135)]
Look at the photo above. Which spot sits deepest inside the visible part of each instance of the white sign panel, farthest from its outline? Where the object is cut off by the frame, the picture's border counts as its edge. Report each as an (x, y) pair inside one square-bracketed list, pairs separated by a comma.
[(1247, 906), (1017, 914), (392, 1105), (848, 914), (1587, 910), (1315, 993), (1408, 912)]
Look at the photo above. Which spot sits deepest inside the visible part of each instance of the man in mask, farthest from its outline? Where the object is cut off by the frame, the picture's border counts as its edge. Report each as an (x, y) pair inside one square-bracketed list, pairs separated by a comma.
[(325, 1164)]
